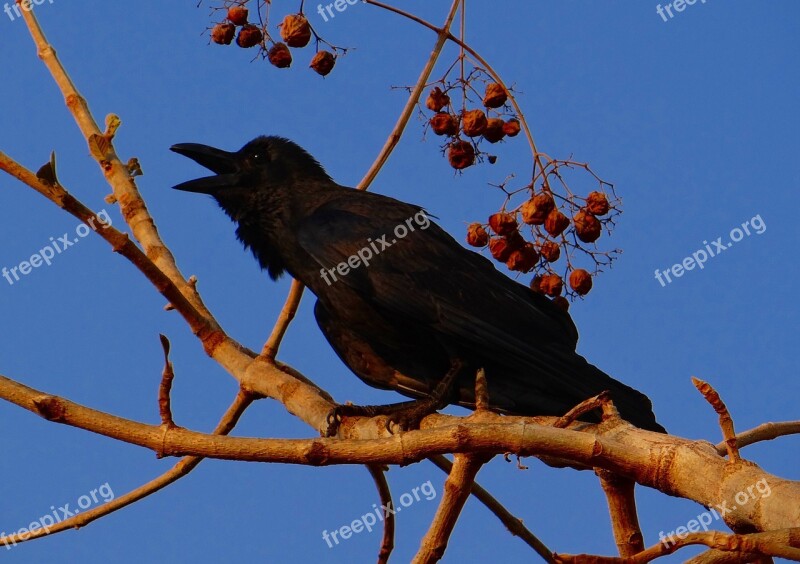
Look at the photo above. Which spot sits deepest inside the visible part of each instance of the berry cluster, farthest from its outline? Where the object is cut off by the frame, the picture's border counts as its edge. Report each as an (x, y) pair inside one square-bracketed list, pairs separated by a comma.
[(558, 226), (295, 32), (474, 124)]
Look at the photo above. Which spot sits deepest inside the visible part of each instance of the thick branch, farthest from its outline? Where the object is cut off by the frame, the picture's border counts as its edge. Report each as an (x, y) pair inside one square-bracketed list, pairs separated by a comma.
[(672, 465)]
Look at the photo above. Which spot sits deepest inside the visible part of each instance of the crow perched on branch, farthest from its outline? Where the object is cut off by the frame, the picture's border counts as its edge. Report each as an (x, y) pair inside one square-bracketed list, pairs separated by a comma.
[(403, 304)]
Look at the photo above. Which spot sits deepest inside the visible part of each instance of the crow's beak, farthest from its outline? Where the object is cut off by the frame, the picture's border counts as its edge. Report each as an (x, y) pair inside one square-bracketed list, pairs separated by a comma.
[(223, 163)]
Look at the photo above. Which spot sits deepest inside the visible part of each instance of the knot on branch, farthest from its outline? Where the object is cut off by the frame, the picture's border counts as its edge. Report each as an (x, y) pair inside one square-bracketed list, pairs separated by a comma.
[(51, 408), (317, 454)]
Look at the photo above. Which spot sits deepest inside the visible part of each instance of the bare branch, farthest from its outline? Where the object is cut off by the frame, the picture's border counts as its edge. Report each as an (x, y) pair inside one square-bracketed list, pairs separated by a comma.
[(514, 524), (783, 543), (585, 406), (408, 110), (622, 508), (178, 471), (378, 473), (270, 350), (164, 403), (725, 420), (764, 432), (457, 488)]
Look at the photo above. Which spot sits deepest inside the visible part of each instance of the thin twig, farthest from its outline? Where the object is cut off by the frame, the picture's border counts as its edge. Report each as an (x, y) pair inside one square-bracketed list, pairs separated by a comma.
[(413, 99), (378, 473), (725, 420), (495, 76), (585, 406), (288, 312), (167, 375), (481, 391), (178, 471), (784, 543), (764, 432), (713, 556), (514, 524)]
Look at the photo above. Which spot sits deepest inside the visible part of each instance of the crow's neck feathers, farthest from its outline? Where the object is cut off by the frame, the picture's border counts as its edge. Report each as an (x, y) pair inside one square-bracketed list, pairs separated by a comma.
[(273, 197)]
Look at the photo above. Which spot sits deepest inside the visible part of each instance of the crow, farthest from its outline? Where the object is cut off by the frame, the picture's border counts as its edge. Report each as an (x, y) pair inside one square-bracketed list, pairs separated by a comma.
[(402, 303)]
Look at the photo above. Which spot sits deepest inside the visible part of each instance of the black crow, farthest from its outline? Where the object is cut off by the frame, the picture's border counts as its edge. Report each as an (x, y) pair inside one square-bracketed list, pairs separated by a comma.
[(402, 303)]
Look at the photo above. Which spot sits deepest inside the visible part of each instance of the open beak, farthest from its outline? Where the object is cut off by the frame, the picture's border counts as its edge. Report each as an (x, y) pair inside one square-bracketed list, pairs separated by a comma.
[(223, 163)]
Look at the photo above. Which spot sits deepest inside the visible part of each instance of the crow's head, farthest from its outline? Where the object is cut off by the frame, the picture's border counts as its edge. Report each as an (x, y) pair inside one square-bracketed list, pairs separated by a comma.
[(261, 187), (264, 163)]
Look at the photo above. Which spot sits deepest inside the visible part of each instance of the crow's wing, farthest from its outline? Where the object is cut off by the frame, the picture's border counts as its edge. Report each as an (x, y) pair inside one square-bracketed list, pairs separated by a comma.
[(427, 277)]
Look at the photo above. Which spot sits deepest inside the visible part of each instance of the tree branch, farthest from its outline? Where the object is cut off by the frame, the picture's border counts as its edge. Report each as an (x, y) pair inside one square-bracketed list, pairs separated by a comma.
[(672, 465), (179, 470), (378, 473), (514, 524), (622, 508), (457, 488)]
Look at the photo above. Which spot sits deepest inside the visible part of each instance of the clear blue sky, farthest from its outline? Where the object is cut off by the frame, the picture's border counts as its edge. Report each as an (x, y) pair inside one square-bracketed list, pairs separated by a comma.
[(694, 119)]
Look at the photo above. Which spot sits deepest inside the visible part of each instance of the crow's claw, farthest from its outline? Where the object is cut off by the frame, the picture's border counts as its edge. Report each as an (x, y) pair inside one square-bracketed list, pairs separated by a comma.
[(334, 421)]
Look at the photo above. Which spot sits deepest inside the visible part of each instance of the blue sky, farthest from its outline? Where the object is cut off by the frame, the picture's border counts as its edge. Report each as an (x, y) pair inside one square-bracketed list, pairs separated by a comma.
[(694, 119)]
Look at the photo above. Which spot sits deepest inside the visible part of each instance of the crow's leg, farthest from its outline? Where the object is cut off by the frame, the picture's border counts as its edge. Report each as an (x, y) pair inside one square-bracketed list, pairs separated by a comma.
[(406, 415)]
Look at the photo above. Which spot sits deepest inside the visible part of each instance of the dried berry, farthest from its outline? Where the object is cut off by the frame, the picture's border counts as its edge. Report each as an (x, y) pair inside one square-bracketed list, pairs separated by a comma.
[(279, 55), (587, 226), (444, 124), (552, 284), (597, 203), (501, 248), (295, 30), (523, 259), (511, 127), (323, 63), (550, 251), (477, 235), (237, 15), (536, 284), (223, 33), (561, 302), (535, 210), (437, 100), (461, 154), (492, 159), (494, 130), (473, 123), (580, 281), (495, 95), (556, 223), (249, 36), (503, 223)]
